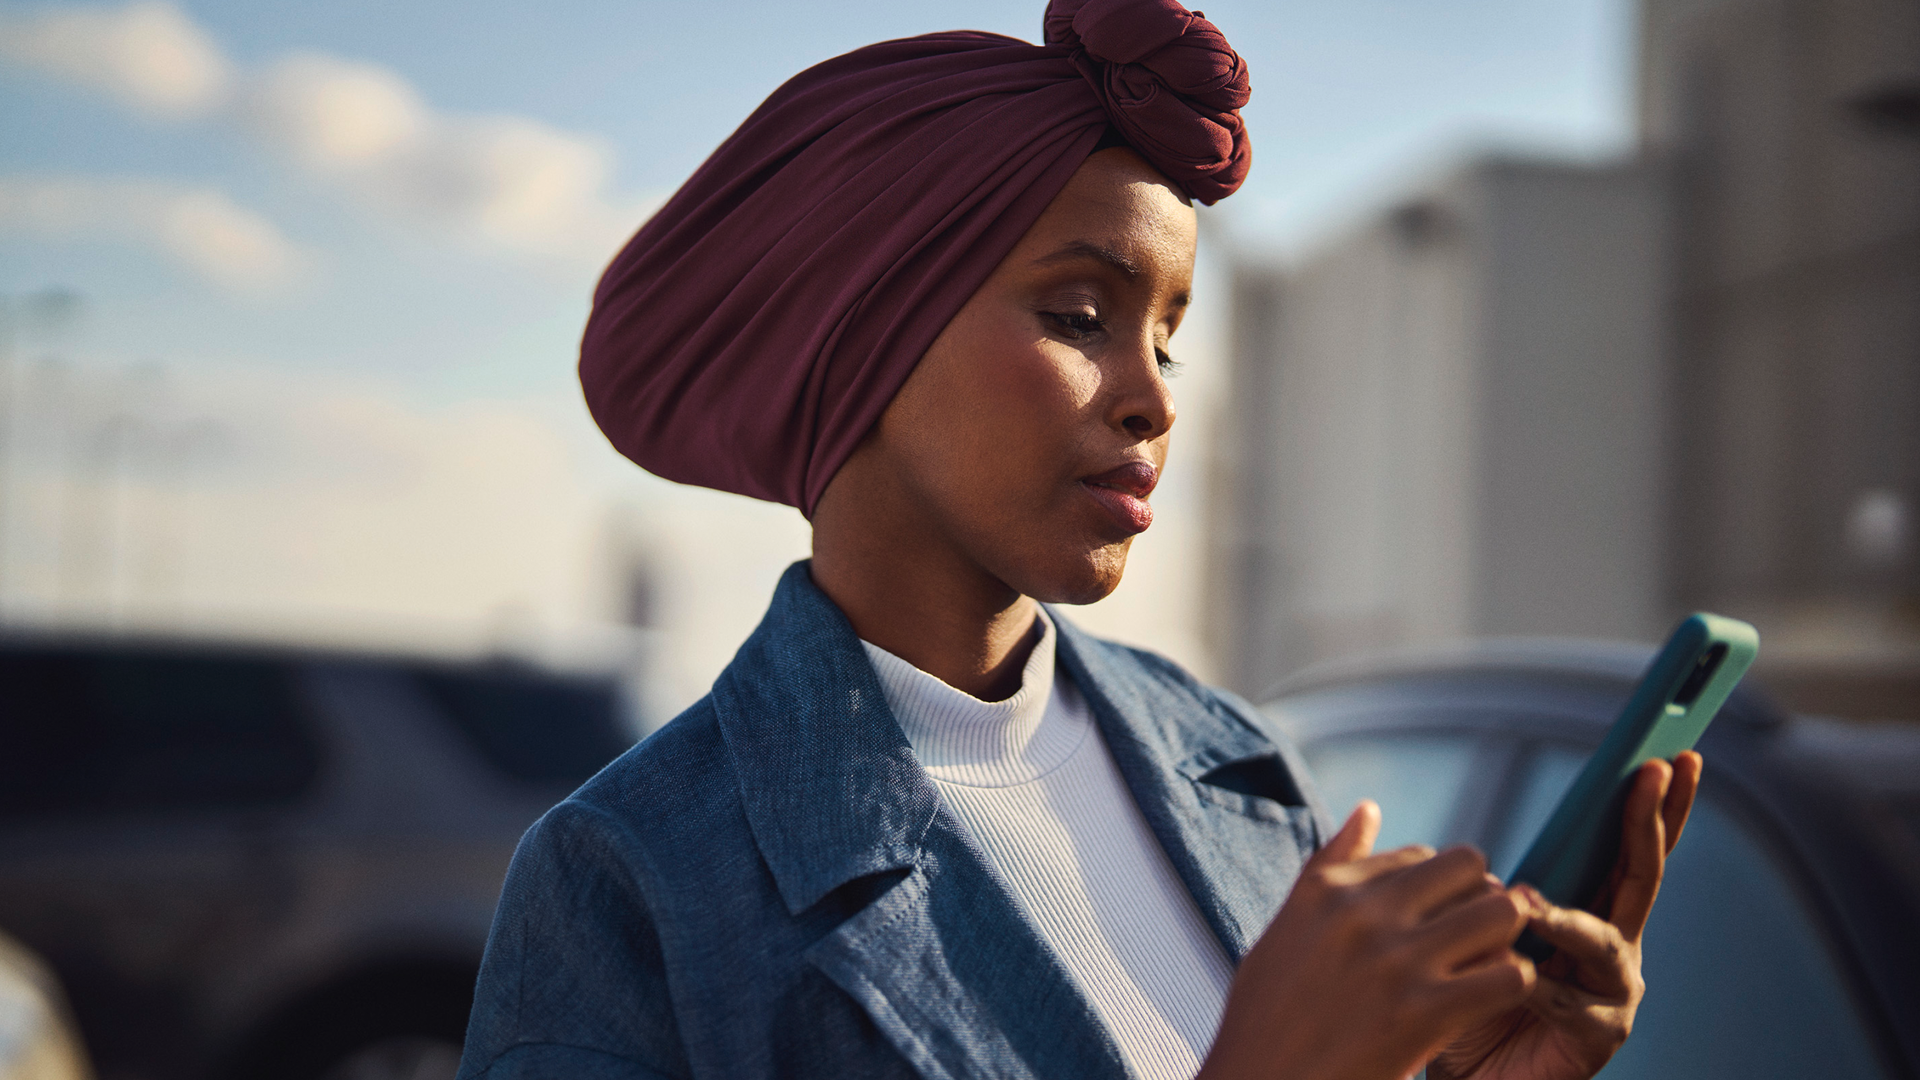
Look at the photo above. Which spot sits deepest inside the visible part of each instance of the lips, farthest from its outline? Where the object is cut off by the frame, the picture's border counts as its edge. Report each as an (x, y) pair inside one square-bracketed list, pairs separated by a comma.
[(1123, 492)]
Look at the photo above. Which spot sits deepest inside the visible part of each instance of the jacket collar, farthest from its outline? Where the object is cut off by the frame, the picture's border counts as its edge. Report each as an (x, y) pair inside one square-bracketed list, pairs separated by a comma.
[(1228, 803), (943, 961), (1155, 715), (830, 784), (833, 792)]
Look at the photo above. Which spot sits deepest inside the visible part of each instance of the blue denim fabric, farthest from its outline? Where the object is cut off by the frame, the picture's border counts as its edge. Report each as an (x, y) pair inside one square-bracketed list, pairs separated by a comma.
[(768, 887)]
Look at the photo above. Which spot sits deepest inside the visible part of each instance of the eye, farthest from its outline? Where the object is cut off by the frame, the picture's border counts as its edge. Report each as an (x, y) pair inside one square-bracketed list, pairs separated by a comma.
[(1074, 325), (1168, 365)]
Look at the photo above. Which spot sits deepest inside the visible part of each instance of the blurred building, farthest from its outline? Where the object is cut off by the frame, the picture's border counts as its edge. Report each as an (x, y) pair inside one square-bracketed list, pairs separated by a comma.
[(1450, 425), (1793, 130), (1561, 398)]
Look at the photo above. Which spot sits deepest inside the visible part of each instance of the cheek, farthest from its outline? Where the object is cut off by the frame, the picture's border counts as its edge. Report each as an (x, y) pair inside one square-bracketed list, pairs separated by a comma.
[(989, 441), (997, 422), (1034, 399)]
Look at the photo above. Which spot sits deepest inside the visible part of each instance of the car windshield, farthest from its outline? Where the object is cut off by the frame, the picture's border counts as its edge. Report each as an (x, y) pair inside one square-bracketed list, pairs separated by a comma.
[(1416, 779)]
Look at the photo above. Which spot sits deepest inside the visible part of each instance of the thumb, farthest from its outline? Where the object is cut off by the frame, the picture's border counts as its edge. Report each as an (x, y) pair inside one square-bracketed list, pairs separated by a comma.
[(1355, 838)]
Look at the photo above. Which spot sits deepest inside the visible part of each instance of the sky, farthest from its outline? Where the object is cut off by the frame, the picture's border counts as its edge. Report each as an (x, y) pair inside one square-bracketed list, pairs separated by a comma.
[(291, 291)]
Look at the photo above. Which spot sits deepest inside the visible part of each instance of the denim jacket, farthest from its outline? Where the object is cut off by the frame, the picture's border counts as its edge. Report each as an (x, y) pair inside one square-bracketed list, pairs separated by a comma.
[(768, 886)]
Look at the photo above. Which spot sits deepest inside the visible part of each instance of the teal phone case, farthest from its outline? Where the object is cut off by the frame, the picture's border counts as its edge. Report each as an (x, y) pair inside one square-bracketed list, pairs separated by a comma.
[(1675, 700)]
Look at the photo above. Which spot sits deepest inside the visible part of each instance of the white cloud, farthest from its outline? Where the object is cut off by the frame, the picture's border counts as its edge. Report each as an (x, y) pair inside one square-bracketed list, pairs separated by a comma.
[(332, 114), (538, 188), (197, 226), (147, 54), (505, 182)]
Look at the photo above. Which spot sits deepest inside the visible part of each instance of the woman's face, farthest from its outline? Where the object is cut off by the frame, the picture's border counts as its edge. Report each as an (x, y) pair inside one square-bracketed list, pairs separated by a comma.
[(1030, 436)]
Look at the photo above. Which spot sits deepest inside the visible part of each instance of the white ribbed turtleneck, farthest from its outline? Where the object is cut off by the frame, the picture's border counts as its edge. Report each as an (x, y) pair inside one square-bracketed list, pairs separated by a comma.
[(1032, 781)]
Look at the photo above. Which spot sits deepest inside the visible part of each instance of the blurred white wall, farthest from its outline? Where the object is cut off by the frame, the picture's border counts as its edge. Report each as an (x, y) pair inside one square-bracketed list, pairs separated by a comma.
[(345, 511), (1454, 422)]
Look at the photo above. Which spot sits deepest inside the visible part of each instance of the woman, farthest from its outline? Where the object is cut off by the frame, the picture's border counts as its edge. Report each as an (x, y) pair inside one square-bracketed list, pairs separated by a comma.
[(922, 826)]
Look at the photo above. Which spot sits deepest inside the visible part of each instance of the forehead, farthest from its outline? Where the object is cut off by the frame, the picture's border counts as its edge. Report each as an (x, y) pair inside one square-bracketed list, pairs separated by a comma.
[(1117, 202)]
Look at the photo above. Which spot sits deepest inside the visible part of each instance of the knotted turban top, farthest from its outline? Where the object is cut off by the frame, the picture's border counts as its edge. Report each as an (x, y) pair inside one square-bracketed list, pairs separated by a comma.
[(754, 329)]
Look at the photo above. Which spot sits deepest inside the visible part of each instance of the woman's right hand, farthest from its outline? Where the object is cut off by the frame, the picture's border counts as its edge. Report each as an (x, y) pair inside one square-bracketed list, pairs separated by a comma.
[(1374, 963)]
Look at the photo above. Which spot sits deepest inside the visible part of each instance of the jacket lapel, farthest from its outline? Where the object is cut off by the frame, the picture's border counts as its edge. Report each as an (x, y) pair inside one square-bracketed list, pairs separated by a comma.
[(1229, 802), (943, 961), (961, 983)]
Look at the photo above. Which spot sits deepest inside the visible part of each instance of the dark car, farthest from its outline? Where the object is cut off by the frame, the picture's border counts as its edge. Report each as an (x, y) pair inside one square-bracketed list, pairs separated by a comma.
[(1786, 941), (247, 862)]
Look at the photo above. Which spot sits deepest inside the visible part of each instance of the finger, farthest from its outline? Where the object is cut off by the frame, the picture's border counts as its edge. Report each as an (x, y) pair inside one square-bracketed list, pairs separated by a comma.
[(1498, 984), (1680, 793), (1643, 850), (1600, 954), (1436, 883), (1373, 866), (1474, 929), (1355, 838)]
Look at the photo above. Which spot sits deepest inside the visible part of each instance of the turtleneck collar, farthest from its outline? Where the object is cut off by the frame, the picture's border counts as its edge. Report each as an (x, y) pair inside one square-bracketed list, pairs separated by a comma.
[(960, 739)]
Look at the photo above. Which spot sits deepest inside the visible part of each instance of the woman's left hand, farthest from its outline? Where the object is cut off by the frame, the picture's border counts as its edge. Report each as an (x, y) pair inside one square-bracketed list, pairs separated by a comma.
[(1583, 1003)]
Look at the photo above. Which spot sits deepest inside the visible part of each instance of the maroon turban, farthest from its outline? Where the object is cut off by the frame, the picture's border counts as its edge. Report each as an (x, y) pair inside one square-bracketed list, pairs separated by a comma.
[(755, 328)]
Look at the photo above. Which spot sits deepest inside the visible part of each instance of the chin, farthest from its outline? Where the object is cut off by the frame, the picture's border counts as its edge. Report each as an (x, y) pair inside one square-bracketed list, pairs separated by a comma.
[(1085, 580)]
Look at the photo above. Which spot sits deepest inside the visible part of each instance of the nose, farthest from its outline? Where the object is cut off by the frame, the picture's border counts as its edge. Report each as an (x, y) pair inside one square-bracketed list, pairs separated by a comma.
[(1142, 404)]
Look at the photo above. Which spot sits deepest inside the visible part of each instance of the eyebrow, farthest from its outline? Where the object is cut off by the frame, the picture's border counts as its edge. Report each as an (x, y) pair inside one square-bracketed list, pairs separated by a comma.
[(1087, 249)]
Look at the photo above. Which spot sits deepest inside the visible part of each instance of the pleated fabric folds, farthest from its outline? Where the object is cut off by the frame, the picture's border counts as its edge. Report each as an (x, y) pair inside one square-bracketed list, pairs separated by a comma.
[(754, 329)]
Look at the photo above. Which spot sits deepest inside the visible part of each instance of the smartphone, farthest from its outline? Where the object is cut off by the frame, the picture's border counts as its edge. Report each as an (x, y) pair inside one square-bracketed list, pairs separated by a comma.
[(1683, 688)]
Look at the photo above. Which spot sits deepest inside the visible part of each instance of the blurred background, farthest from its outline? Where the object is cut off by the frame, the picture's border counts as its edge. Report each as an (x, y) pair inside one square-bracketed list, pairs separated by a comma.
[(1536, 317), (292, 295), (1532, 393)]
